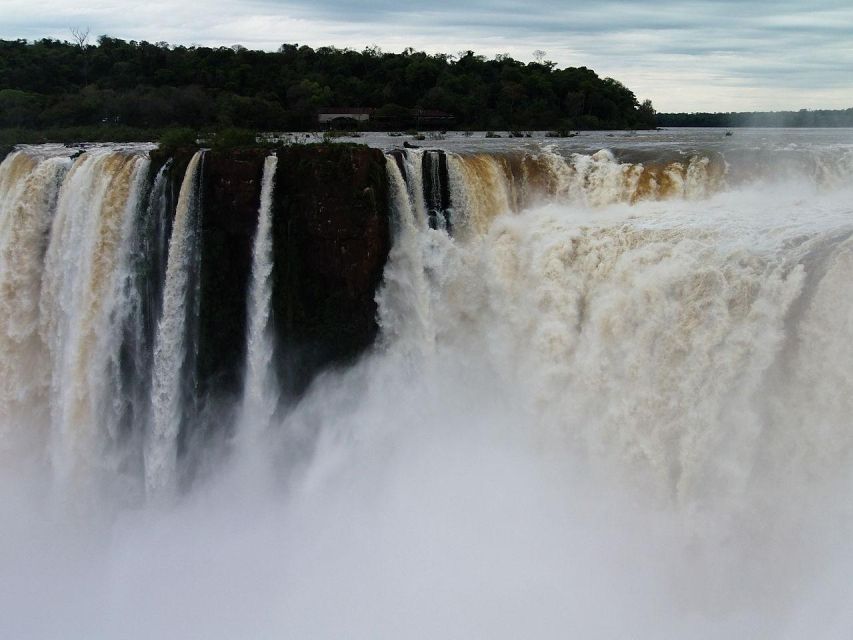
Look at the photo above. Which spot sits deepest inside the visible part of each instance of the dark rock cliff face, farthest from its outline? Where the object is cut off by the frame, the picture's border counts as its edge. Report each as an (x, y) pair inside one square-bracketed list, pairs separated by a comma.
[(230, 187), (331, 240)]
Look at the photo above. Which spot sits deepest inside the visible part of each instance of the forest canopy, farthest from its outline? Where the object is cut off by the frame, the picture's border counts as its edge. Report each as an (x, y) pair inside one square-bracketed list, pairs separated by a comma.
[(51, 83), (801, 118)]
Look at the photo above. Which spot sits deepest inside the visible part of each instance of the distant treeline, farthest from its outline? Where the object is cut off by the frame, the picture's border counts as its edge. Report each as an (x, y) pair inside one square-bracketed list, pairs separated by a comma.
[(801, 118), (50, 83)]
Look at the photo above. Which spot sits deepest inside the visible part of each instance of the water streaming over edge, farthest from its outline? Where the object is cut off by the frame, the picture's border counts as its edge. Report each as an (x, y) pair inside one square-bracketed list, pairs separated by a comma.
[(170, 349)]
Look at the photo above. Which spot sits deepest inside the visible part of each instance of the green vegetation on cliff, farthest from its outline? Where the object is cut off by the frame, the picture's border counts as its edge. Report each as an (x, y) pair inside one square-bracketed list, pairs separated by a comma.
[(133, 86)]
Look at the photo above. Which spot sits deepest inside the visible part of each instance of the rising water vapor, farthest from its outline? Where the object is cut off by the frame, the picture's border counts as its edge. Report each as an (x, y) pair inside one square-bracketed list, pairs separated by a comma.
[(610, 397)]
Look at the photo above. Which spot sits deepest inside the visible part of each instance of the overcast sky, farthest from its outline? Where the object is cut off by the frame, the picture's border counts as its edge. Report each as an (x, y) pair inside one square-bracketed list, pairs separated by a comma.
[(698, 55)]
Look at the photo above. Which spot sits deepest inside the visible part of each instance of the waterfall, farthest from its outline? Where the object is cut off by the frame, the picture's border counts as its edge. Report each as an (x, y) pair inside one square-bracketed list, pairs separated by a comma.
[(480, 190), (647, 335), (143, 300), (414, 181), (260, 394), (433, 170), (607, 381), (170, 349), (82, 309), (29, 185), (155, 230), (100, 305), (435, 190), (485, 186), (404, 300)]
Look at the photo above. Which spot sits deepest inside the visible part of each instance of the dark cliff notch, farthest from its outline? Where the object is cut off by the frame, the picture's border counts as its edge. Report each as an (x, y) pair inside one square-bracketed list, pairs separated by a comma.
[(231, 183), (331, 241), (399, 156), (178, 159), (436, 189)]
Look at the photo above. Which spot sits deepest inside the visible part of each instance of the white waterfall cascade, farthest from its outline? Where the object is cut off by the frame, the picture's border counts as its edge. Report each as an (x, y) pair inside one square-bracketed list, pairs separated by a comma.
[(405, 311), (161, 447), (260, 392), (29, 186), (82, 308), (662, 339)]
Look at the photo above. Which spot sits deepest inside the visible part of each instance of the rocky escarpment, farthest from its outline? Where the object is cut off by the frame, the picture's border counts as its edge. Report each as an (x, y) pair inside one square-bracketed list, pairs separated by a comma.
[(230, 187), (330, 242)]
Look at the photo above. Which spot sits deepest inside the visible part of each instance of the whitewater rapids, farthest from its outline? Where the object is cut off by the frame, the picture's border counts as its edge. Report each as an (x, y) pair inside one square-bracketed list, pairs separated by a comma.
[(598, 407)]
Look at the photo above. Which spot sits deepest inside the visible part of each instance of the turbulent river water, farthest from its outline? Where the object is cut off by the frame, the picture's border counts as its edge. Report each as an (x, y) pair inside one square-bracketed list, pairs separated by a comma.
[(611, 397)]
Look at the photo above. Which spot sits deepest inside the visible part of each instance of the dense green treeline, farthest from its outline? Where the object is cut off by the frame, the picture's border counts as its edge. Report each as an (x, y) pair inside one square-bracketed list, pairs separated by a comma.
[(801, 118), (49, 83)]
